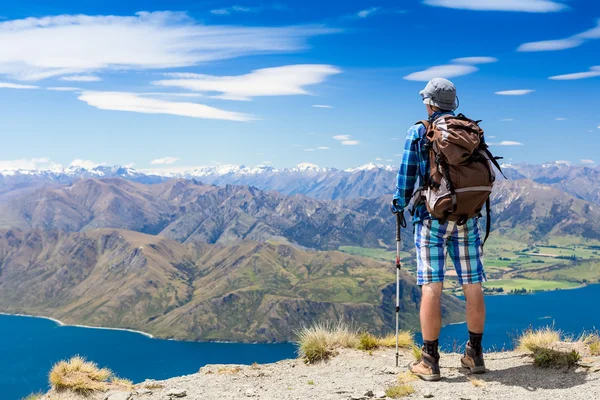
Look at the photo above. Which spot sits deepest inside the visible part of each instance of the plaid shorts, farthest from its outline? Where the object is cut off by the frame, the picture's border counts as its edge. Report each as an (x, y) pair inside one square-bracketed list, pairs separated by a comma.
[(435, 241)]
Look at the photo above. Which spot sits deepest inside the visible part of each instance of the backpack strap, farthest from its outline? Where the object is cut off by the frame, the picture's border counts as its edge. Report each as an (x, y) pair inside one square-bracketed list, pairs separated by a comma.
[(493, 160), (488, 223)]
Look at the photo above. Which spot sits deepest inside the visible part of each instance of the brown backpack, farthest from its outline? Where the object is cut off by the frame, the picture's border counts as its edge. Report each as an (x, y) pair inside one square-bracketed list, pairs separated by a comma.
[(461, 176)]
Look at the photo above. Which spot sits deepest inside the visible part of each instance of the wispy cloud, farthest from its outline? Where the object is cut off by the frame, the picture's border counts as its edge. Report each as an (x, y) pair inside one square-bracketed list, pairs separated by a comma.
[(310, 149), (81, 78), (475, 60), (535, 6), (368, 12), (322, 148), (321, 106), (124, 101), (507, 119), (441, 71), (164, 161), (560, 119), (7, 85), (563, 44), (507, 143), (82, 44), (520, 92), (233, 10), (28, 164), (587, 161), (592, 73), (346, 140), (277, 81), (63, 88)]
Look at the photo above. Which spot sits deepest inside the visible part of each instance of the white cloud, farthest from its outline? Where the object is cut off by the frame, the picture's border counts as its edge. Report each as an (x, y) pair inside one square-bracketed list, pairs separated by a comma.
[(233, 9), (379, 159), (521, 92), (123, 101), (563, 44), (550, 45), (562, 162), (7, 85), (322, 148), (277, 81), (560, 119), (39, 48), (592, 73), (441, 71), (389, 160), (398, 155), (164, 161), (341, 137), (309, 149), (63, 88), (475, 60), (85, 164), (507, 143), (81, 78), (321, 106), (368, 12), (491, 137), (8, 166), (507, 119), (345, 140), (539, 6), (587, 161)]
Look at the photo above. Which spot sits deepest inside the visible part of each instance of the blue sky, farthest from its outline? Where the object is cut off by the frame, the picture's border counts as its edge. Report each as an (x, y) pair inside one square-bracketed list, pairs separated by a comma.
[(179, 84)]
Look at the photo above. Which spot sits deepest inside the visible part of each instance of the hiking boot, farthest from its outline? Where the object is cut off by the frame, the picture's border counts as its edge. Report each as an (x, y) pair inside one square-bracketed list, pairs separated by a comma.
[(427, 368), (473, 361)]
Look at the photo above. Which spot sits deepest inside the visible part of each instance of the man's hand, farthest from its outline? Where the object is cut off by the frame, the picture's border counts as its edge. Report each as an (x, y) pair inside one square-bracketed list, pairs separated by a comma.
[(394, 206)]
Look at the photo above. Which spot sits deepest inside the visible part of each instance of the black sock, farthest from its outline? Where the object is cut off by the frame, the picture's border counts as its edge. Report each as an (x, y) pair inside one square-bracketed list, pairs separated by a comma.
[(431, 347), (475, 341)]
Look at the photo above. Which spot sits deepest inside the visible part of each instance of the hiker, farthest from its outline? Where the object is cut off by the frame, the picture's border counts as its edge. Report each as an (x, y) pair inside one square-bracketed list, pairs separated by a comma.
[(447, 155)]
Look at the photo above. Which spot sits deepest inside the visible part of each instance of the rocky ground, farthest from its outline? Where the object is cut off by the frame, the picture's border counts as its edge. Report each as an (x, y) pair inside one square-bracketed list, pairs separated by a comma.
[(359, 375)]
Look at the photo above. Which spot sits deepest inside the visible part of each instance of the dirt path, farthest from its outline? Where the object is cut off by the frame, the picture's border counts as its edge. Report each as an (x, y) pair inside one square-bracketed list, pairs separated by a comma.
[(352, 374)]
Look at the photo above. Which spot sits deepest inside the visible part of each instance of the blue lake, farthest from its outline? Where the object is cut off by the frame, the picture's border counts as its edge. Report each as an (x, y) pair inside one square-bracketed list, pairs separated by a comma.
[(30, 346)]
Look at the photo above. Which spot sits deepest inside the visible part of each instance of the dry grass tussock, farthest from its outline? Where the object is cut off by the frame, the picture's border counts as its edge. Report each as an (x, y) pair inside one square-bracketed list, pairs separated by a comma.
[(592, 341), (542, 344), (407, 377), (399, 391), (533, 339), (33, 396), (320, 341), (84, 377)]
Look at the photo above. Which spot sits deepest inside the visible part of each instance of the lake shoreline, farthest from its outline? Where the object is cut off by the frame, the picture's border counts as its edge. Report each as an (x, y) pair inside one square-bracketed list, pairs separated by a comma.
[(60, 323)]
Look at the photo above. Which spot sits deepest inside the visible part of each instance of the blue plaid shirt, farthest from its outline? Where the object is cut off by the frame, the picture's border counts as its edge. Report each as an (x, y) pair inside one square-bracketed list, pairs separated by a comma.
[(414, 167)]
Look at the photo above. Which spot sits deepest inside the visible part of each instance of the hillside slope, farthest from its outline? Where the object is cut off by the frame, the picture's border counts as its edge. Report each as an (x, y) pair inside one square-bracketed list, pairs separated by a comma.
[(242, 292)]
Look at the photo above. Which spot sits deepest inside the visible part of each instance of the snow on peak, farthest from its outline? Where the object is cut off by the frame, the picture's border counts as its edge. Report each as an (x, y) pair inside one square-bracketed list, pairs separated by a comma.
[(306, 166), (371, 167)]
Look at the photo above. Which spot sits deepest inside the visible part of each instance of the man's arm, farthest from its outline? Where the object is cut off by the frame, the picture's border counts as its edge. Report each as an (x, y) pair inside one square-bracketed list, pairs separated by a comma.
[(408, 172)]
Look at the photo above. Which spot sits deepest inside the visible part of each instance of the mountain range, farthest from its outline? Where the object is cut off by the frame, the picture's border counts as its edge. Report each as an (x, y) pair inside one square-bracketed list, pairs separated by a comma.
[(239, 254), (367, 181), (247, 291)]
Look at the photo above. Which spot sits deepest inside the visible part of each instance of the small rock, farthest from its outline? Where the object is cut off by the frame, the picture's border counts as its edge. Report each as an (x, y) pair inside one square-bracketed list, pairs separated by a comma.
[(142, 392), (176, 393), (427, 394), (118, 396), (250, 393), (369, 393), (357, 397), (380, 394), (388, 370)]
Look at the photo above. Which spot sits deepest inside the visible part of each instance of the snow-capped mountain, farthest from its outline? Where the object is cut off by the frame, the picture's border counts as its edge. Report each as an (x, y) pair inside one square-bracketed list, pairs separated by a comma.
[(367, 181)]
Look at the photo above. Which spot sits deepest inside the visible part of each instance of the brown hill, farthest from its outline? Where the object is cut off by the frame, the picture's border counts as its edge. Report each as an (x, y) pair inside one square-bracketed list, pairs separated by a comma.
[(244, 292)]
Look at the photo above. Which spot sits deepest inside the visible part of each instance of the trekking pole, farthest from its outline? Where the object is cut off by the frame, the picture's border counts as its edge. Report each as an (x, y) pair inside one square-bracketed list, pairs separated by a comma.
[(400, 222)]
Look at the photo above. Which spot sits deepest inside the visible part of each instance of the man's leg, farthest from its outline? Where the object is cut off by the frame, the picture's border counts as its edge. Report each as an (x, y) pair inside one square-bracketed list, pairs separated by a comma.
[(475, 307), (467, 256), (431, 313), (431, 257)]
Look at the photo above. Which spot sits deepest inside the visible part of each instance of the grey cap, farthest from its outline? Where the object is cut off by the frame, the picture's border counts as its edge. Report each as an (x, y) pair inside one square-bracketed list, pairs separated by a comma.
[(441, 93)]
